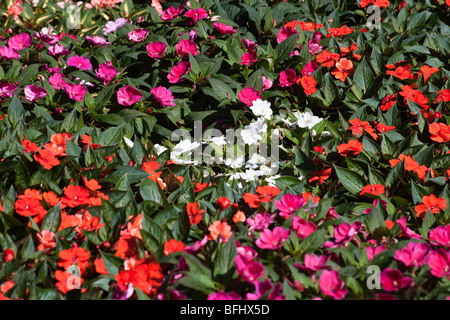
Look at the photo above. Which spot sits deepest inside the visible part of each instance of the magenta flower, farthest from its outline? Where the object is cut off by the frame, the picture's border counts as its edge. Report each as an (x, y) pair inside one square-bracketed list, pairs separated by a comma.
[(331, 285), (440, 236), (262, 288), (57, 81), (267, 83), (248, 95), (313, 262), (128, 95), (178, 71), (273, 239), (20, 41), (248, 58), (7, 89), (163, 96), (96, 40), (289, 204), (106, 72), (156, 49), (260, 222), (222, 28), (249, 44), (302, 228), (309, 68), (439, 262), (33, 92), (393, 280), (249, 270), (196, 14), (172, 12), (344, 233), (373, 251), (407, 232), (285, 33), (288, 78), (112, 26), (58, 50), (415, 254), (79, 62), (222, 295), (137, 35), (8, 53), (75, 91), (314, 46), (184, 47)]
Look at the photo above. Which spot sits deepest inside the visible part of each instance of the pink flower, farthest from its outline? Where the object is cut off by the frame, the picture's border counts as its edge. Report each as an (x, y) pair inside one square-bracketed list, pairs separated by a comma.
[(248, 95), (156, 49), (439, 262), (267, 83), (302, 228), (262, 288), (172, 12), (96, 40), (249, 270), (128, 95), (112, 26), (407, 232), (106, 72), (248, 58), (309, 68), (289, 204), (20, 41), (33, 92), (222, 295), (79, 62), (288, 78), (314, 46), (285, 33), (7, 89), (222, 28), (178, 71), (393, 280), (196, 14), (163, 96), (313, 262), (373, 251), (249, 44), (58, 50), (75, 91), (137, 35), (331, 285), (184, 47), (273, 239), (57, 81), (415, 254), (260, 222), (8, 53), (440, 236), (345, 233)]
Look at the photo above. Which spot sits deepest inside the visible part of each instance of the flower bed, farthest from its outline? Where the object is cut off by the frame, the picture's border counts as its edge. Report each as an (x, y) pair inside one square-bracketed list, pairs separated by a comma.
[(224, 150)]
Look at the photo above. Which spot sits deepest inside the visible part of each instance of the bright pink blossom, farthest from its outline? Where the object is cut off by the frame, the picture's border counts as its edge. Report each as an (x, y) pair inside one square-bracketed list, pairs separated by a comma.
[(273, 239), (313, 262), (20, 41), (128, 95), (288, 77), (137, 35), (33, 92), (163, 96), (8, 53), (407, 232), (344, 233), (289, 204), (309, 68), (263, 288), (178, 71), (184, 47), (302, 228), (439, 262), (58, 50), (172, 12), (97, 40), (106, 72), (285, 33), (156, 49), (75, 91), (222, 28), (314, 47), (415, 254), (196, 14), (260, 222), (79, 62), (331, 285), (267, 83), (440, 236), (248, 95), (373, 251), (57, 81), (248, 58), (393, 280)]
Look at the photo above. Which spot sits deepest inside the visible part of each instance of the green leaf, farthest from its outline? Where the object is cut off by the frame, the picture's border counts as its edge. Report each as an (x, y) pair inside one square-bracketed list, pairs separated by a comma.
[(52, 219), (15, 111), (363, 76), (149, 191), (350, 180), (225, 257)]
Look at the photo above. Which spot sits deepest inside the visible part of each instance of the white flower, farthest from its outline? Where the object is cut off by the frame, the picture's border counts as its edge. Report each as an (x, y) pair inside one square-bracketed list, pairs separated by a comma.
[(250, 175), (271, 180), (235, 162), (128, 142), (251, 133), (182, 152), (159, 149), (218, 141), (255, 161), (262, 108), (306, 119)]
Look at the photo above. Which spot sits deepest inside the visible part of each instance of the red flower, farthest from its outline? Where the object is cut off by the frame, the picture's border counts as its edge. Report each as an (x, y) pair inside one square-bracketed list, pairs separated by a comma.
[(327, 59), (74, 255), (220, 229), (67, 281), (352, 146), (343, 69), (8, 255), (427, 71), (147, 277), (194, 212), (172, 246), (223, 203), (440, 132), (309, 84), (388, 102), (46, 158), (401, 72), (320, 175), (75, 196), (200, 186), (374, 189), (359, 126), (432, 203)]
